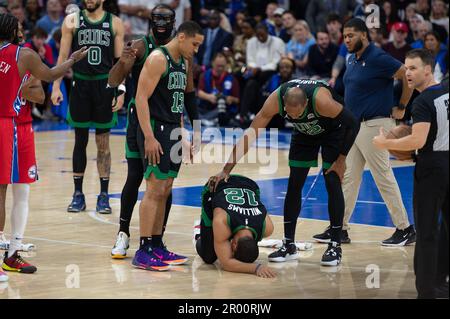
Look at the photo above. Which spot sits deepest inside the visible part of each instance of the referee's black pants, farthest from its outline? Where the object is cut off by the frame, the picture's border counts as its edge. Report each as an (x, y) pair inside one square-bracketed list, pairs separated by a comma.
[(431, 213)]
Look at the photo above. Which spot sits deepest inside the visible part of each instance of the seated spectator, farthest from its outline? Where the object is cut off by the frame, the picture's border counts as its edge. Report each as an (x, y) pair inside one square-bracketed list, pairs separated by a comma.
[(53, 19), (279, 30), (286, 69), (298, 47), (33, 11), (216, 39), (321, 57), (377, 36), (237, 23), (360, 9), (263, 55), (439, 13), (18, 11), (317, 11), (271, 7), (390, 14), (37, 44), (423, 8), (240, 43), (182, 9), (289, 22), (439, 51), (218, 92), (338, 70), (334, 28), (398, 47), (135, 14)]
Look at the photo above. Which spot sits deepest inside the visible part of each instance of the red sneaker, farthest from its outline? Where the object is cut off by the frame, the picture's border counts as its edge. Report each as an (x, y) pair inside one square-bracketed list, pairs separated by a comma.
[(17, 264)]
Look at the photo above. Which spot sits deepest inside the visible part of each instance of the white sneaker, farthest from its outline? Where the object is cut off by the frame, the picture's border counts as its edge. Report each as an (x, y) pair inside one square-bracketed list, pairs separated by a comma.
[(3, 276), (119, 250), (4, 244)]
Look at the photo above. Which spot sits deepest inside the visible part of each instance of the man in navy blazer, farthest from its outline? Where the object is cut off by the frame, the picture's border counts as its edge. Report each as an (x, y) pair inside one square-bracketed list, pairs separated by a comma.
[(216, 39)]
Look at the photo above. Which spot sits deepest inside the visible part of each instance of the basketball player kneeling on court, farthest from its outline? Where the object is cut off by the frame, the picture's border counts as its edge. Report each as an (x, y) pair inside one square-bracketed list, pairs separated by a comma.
[(233, 221)]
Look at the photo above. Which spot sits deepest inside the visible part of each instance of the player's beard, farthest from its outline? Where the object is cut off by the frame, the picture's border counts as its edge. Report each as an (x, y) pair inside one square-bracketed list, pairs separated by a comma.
[(358, 46), (96, 6)]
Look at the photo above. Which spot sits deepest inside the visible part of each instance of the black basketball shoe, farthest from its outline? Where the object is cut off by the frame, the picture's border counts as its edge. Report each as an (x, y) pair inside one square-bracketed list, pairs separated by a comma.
[(332, 256), (325, 237), (401, 237), (285, 253)]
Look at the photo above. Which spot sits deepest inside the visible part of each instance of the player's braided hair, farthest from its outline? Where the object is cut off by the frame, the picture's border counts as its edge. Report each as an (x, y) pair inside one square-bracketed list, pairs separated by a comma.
[(9, 26)]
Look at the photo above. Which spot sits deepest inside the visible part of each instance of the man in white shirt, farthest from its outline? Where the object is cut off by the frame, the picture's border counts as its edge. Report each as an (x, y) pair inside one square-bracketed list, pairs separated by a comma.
[(263, 55), (182, 9), (136, 15)]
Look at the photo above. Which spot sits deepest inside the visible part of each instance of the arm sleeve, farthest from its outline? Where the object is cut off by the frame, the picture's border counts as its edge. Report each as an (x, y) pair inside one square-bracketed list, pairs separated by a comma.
[(346, 119)]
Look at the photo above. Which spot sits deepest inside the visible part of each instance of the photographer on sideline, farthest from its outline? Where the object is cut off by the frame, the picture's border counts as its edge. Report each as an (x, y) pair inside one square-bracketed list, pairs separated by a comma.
[(218, 91)]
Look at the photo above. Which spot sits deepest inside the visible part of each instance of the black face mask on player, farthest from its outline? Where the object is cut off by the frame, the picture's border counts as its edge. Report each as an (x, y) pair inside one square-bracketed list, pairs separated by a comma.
[(162, 25)]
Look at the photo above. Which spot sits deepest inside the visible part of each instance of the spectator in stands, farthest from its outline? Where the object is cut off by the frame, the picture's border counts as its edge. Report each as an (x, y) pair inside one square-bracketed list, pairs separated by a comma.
[(270, 19), (321, 56), (289, 22), (279, 30), (410, 12), (286, 69), (423, 8), (317, 11), (439, 51), (182, 9), (218, 92), (33, 11), (239, 19), (135, 15), (398, 47), (53, 19), (37, 44), (423, 28), (3, 6), (264, 52), (299, 45), (390, 14), (216, 39), (18, 11), (377, 36), (338, 70), (360, 9), (439, 13), (240, 43), (334, 28)]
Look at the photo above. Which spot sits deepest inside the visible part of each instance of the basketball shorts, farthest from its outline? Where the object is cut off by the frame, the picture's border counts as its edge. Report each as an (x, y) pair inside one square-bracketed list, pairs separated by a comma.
[(304, 150), (169, 136), (17, 153), (90, 104)]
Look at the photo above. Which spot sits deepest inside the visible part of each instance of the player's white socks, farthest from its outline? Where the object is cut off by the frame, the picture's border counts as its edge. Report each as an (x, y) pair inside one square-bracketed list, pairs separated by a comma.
[(19, 216)]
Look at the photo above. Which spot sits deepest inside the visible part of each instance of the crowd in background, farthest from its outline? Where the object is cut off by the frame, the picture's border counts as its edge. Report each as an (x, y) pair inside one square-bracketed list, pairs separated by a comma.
[(253, 46)]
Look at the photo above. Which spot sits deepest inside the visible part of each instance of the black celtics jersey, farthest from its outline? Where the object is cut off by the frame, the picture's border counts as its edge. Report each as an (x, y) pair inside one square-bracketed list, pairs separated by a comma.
[(99, 38), (167, 101), (310, 122), (240, 198)]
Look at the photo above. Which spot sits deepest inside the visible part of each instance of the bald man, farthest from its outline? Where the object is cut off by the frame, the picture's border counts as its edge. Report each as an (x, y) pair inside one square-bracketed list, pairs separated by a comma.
[(320, 123)]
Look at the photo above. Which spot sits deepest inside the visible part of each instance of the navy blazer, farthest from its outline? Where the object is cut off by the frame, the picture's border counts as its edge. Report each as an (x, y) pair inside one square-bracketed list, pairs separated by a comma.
[(223, 39)]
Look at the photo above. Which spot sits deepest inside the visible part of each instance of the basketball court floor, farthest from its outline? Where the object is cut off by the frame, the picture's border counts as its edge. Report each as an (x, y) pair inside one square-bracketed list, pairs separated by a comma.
[(73, 250)]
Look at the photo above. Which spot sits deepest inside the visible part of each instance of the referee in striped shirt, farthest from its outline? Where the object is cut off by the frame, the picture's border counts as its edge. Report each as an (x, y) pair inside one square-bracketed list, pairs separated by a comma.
[(430, 135)]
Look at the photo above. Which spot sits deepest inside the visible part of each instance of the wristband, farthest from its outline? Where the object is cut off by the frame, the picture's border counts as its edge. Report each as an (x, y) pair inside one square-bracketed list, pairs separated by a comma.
[(122, 89), (401, 106)]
